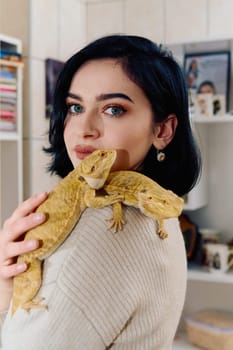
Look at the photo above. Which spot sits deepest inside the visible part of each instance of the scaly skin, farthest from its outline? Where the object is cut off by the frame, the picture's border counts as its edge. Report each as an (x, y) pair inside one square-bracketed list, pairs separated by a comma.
[(140, 192), (63, 208)]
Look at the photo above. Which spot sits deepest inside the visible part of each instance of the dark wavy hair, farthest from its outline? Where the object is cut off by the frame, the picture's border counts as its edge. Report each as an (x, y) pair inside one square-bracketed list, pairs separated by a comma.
[(160, 77), (208, 83)]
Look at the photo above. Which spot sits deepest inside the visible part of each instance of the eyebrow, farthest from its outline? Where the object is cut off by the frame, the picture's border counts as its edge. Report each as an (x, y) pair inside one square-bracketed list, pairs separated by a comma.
[(103, 97), (76, 97)]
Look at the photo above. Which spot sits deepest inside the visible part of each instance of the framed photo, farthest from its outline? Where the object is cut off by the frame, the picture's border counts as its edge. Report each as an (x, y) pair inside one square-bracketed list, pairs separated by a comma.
[(208, 72), (204, 105), (52, 70)]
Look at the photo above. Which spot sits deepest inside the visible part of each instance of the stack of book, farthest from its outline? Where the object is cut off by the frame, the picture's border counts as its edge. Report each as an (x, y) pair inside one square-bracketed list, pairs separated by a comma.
[(8, 98), (10, 56)]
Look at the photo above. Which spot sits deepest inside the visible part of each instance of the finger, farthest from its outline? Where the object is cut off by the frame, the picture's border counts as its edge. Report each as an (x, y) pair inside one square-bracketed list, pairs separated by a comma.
[(28, 206), (12, 270), (8, 262), (18, 248), (14, 230)]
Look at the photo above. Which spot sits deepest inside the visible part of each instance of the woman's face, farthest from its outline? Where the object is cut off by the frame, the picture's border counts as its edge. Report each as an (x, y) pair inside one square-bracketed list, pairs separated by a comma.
[(106, 110), (206, 89)]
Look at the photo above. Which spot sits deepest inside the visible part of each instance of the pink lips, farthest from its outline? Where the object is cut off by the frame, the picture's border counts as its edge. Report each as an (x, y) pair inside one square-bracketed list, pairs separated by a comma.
[(82, 151)]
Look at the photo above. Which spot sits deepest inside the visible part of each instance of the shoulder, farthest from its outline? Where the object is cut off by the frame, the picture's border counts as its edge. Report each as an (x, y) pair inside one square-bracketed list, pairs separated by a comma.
[(107, 276), (95, 249)]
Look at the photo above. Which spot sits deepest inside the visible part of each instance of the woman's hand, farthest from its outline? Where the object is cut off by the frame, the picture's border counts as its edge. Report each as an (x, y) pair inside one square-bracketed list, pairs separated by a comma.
[(12, 244)]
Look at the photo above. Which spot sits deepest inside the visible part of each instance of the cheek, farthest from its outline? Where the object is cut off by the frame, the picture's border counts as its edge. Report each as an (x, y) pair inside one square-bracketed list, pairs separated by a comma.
[(131, 150), (67, 132), (67, 135)]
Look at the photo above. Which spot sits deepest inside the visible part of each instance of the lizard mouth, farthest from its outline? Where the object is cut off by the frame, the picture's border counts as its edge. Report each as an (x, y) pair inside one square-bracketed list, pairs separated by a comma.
[(95, 183)]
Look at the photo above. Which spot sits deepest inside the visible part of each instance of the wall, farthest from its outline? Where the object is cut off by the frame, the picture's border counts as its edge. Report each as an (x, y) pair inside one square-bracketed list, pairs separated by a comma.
[(48, 29), (57, 29), (161, 20)]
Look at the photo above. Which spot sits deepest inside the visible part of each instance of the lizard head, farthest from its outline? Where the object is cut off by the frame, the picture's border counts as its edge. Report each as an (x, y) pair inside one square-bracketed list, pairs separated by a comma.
[(164, 205), (96, 167)]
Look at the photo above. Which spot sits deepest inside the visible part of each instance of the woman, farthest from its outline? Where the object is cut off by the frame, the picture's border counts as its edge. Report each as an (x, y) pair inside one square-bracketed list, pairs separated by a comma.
[(105, 290), (206, 87)]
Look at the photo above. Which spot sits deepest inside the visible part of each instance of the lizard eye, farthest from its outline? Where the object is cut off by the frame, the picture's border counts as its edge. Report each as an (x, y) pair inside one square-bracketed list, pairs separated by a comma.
[(102, 154), (93, 168)]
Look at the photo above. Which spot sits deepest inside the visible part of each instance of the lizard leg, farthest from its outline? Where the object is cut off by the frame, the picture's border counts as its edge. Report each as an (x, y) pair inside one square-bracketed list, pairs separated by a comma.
[(114, 199), (34, 304), (26, 284), (116, 220), (93, 200), (161, 229), (34, 278)]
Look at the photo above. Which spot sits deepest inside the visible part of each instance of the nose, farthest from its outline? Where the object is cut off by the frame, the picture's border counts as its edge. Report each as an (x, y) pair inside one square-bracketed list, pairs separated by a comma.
[(90, 125)]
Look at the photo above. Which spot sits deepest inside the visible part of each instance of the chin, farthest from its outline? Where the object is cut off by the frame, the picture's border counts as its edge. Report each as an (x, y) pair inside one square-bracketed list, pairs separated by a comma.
[(75, 163)]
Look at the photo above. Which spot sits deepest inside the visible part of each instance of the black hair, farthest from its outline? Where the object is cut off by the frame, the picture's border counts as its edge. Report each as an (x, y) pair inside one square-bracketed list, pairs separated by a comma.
[(161, 79), (209, 83)]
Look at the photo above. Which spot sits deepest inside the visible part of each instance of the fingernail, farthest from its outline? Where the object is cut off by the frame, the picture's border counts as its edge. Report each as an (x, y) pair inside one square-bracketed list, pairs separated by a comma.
[(38, 216), (32, 244), (21, 267), (41, 194)]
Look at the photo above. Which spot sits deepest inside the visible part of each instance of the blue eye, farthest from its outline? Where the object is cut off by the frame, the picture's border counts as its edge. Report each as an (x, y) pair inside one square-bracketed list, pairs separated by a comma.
[(75, 108), (114, 111)]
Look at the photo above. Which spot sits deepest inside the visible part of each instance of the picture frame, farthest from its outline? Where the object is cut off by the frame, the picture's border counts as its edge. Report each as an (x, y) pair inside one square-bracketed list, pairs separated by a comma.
[(210, 69), (204, 105), (52, 69)]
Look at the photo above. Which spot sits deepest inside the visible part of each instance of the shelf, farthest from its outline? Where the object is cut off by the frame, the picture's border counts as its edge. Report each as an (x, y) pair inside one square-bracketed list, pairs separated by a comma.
[(195, 274), (9, 136), (11, 139), (228, 118), (10, 63), (181, 343)]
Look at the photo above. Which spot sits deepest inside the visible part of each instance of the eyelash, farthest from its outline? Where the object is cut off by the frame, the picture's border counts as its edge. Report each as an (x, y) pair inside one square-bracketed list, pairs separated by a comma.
[(120, 110), (70, 106)]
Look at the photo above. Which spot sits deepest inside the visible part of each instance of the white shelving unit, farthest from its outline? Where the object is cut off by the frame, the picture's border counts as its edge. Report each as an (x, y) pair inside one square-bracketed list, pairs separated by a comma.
[(206, 276), (195, 274), (200, 275), (198, 197), (181, 343), (198, 203), (11, 142), (228, 118)]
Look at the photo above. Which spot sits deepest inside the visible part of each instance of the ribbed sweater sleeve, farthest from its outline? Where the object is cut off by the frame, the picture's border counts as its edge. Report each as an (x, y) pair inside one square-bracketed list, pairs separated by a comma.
[(103, 290), (2, 318)]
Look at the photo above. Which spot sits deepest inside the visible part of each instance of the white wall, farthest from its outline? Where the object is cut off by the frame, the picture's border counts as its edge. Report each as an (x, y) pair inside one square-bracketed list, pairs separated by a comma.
[(48, 29), (56, 30), (161, 20)]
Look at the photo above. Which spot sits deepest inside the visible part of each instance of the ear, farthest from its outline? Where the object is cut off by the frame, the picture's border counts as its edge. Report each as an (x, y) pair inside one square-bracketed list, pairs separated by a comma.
[(165, 132)]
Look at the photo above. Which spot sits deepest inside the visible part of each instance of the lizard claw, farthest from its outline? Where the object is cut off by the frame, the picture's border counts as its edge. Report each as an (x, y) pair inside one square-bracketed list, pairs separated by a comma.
[(115, 224), (161, 230), (34, 304), (162, 234)]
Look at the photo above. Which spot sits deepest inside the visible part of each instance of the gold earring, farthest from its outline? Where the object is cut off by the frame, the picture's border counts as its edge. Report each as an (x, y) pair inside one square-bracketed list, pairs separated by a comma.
[(160, 156)]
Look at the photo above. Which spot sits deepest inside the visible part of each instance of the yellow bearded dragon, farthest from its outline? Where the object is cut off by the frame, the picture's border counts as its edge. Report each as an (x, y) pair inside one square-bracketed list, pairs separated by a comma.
[(63, 207), (140, 192)]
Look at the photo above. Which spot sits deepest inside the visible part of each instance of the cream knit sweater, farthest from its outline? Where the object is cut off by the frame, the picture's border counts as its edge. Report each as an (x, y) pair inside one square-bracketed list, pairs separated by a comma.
[(121, 291)]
